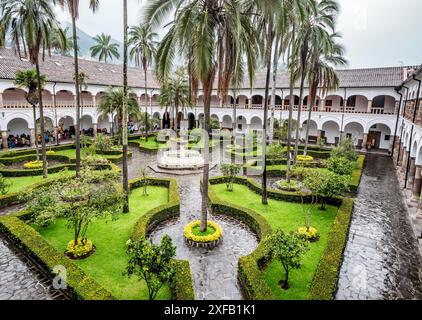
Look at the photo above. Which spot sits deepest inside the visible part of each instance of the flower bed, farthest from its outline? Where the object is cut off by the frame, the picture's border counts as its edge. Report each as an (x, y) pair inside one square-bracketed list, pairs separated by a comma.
[(208, 239), (33, 165)]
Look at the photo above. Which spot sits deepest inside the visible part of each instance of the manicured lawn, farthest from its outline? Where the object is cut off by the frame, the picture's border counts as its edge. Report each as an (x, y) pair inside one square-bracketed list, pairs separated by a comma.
[(71, 153), (287, 216), (20, 183), (110, 259)]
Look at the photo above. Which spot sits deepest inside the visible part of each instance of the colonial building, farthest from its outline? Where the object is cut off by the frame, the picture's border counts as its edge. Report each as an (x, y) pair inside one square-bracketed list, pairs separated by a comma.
[(366, 107)]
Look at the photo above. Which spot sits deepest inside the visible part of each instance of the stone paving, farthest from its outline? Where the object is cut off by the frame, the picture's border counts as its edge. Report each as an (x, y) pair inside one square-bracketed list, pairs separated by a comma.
[(20, 279), (381, 259)]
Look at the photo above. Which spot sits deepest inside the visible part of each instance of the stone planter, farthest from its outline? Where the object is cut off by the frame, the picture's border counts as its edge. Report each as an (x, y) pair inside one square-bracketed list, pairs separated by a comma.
[(209, 241), (208, 245)]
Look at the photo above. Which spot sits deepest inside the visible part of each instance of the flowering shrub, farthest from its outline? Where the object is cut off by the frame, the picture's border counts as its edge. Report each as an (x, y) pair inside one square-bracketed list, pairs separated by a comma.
[(310, 233), (302, 158), (80, 250), (190, 235), (33, 165), (286, 186), (50, 152)]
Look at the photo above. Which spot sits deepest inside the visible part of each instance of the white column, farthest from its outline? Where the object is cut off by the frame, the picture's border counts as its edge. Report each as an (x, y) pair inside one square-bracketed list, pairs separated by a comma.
[(33, 137), (369, 107), (4, 138)]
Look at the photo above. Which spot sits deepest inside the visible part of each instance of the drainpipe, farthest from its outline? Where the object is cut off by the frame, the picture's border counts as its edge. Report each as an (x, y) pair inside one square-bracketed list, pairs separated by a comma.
[(402, 122), (397, 120), (411, 132), (55, 113), (342, 115)]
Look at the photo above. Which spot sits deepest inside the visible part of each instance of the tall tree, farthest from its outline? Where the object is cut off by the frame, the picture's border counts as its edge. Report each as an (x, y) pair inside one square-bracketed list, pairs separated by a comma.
[(104, 49), (319, 18), (28, 79), (61, 45), (30, 23), (175, 93), (143, 50), (322, 74), (125, 110), (212, 33), (73, 7)]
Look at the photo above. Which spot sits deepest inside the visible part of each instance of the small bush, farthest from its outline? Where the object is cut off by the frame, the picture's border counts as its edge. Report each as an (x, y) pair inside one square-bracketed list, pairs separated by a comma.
[(190, 234), (4, 185), (302, 158), (340, 165), (310, 234), (345, 150), (103, 142), (80, 250), (33, 165)]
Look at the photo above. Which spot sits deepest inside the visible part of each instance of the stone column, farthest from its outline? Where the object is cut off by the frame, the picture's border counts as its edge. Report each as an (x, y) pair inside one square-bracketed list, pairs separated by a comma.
[(412, 172), (250, 104), (322, 105), (401, 155), (365, 141), (4, 138), (391, 144), (417, 182), (405, 157), (95, 127), (369, 107), (33, 137), (419, 212), (1, 100), (111, 127)]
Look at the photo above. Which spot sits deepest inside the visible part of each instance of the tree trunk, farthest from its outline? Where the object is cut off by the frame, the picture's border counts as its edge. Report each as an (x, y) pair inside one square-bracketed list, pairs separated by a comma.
[(264, 199), (273, 92), (312, 102), (289, 125), (146, 105), (234, 124), (37, 151), (298, 127), (124, 111), (207, 88), (44, 150), (77, 102)]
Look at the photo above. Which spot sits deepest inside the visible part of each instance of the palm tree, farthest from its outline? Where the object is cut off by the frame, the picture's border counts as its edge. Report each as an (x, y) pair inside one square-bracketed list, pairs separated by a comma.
[(58, 42), (104, 49), (322, 74), (209, 34), (28, 79), (29, 23), (112, 103), (143, 51), (175, 93), (73, 7), (313, 30)]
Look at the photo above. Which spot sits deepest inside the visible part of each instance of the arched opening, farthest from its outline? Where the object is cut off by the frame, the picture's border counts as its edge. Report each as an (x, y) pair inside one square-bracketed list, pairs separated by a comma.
[(313, 131), (66, 127), (215, 101), (241, 123), (18, 133), (201, 120), (180, 121), (166, 120), (47, 98), (379, 136), (87, 125), (228, 100), (287, 100), (65, 98), (334, 103), (383, 105), (256, 124), (242, 101), (257, 101), (155, 100), (354, 131), (14, 98), (331, 132), (86, 99), (103, 124), (227, 122), (357, 103), (191, 121)]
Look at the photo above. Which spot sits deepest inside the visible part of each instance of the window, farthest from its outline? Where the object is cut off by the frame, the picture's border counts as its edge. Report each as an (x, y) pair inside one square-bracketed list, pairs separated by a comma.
[(329, 103), (387, 137)]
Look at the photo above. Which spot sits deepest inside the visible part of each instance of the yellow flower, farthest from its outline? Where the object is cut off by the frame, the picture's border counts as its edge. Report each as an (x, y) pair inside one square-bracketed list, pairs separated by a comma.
[(208, 238)]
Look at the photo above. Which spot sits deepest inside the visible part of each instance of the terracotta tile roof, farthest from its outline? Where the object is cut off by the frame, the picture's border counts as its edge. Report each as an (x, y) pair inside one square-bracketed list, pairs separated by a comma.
[(60, 69)]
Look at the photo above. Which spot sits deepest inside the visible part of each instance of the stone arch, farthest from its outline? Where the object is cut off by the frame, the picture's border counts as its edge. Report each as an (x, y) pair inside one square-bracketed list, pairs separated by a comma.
[(379, 135), (419, 157), (358, 102), (14, 97), (313, 130), (331, 132), (334, 102), (414, 149), (241, 123), (86, 98), (191, 121), (227, 122), (48, 124), (256, 123), (287, 100), (242, 100), (18, 126), (385, 103), (103, 123), (65, 98), (355, 131), (86, 122), (257, 100)]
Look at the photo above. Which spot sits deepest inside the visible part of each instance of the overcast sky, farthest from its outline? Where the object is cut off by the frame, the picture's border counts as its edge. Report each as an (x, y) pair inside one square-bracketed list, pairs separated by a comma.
[(375, 32)]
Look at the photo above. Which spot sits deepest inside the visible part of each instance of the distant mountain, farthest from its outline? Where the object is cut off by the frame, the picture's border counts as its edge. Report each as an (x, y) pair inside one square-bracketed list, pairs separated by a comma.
[(86, 41)]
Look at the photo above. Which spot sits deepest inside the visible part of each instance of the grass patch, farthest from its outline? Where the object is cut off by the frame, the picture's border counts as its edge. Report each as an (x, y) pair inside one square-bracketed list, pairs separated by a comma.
[(197, 231), (287, 216), (110, 259), (19, 184)]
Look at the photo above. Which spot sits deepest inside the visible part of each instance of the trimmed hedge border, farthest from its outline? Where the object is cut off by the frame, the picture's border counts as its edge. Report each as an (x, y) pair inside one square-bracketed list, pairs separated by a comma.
[(324, 283), (79, 285), (181, 287), (357, 174)]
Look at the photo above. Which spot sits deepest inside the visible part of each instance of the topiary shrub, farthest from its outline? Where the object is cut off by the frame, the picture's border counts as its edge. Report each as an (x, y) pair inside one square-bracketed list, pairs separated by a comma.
[(33, 165), (4, 185), (340, 165), (302, 158), (310, 234), (80, 250), (345, 149), (213, 233)]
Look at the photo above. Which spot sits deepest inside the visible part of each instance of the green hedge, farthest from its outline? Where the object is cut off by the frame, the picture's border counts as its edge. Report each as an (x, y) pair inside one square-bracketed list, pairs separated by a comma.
[(17, 153), (324, 283), (38, 172), (31, 157), (274, 194), (251, 278), (357, 173), (29, 241), (181, 287)]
